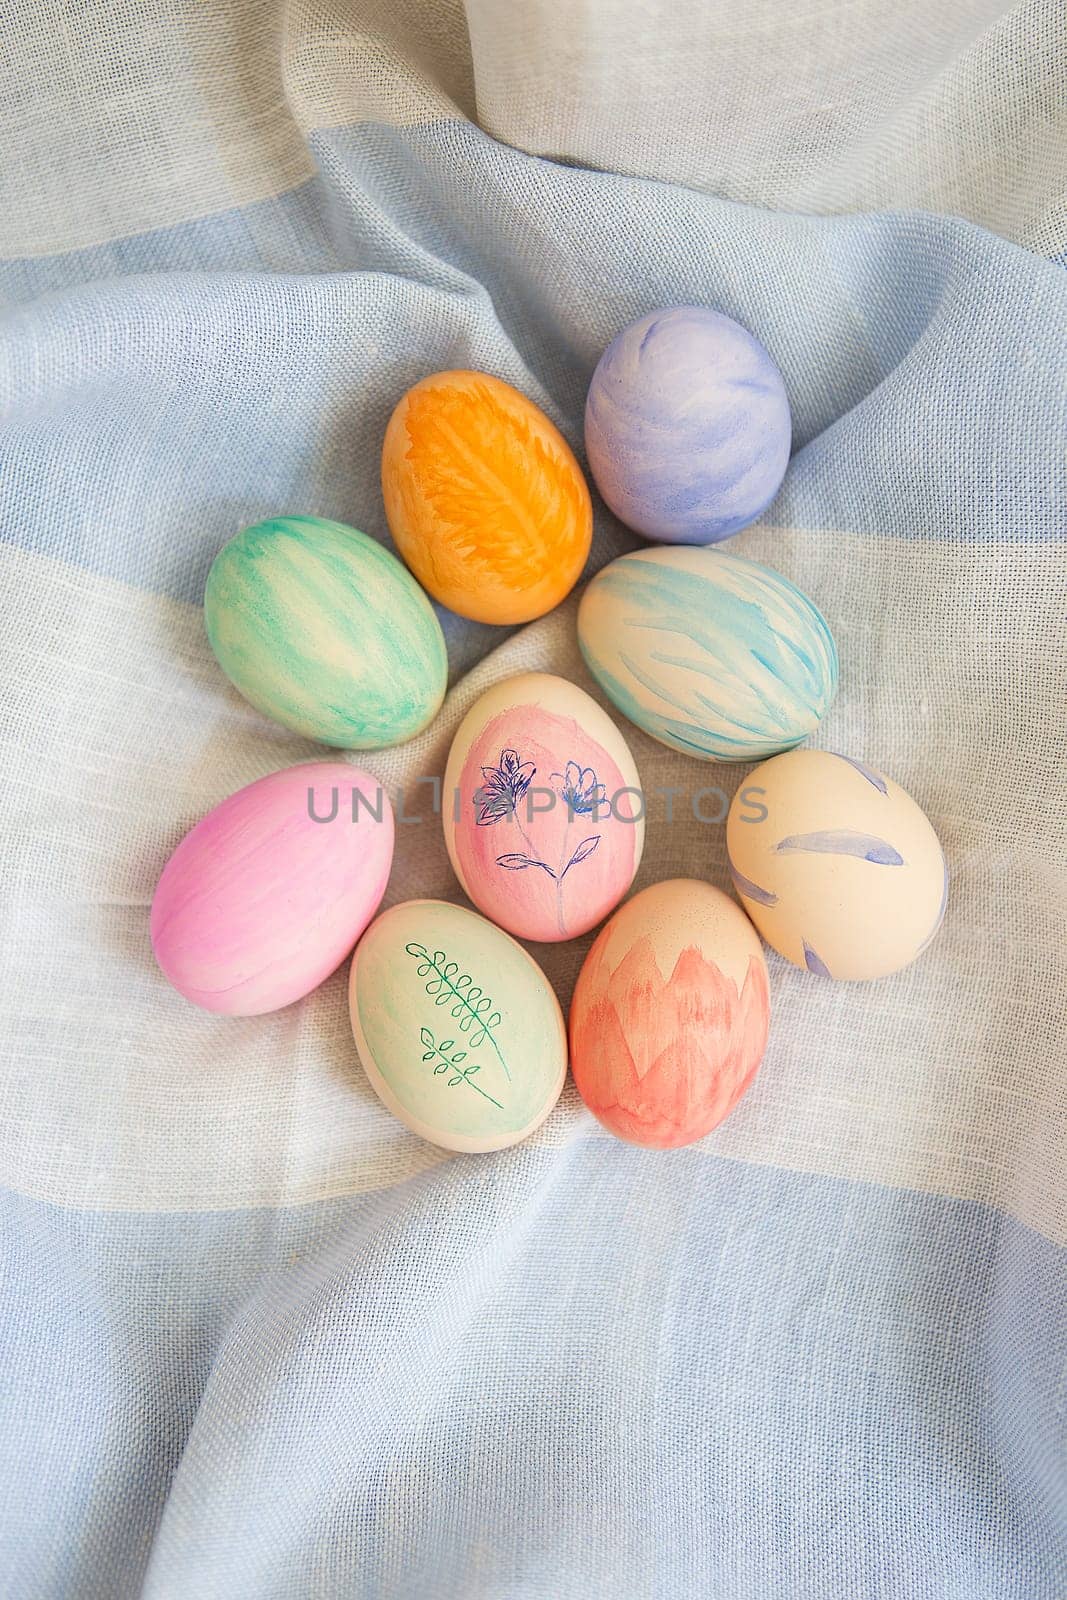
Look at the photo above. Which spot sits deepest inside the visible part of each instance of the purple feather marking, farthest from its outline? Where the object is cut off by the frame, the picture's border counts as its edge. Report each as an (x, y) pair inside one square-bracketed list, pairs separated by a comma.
[(813, 962), (944, 898), (940, 914), (867, 772), (843, 842), (751, 891)]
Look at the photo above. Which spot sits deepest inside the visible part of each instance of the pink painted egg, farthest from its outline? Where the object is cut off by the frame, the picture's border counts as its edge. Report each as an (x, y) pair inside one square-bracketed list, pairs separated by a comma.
[(670, 1014), (542, 807), (269, 892)]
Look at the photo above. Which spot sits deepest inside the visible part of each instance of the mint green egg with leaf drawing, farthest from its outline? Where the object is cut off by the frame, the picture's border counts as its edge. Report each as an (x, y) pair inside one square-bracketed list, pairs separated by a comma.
[(323, 630), (458, 1029)]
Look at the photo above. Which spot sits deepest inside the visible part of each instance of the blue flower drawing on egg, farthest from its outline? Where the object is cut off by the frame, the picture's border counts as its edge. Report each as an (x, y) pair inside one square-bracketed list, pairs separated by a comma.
[(506, 784), (580, 791), (541, 784), (504, 787), (498, 801)]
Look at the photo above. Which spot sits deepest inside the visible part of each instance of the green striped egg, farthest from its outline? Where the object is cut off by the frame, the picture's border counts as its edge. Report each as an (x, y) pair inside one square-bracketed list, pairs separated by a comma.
[(715, 656), (323, 630)]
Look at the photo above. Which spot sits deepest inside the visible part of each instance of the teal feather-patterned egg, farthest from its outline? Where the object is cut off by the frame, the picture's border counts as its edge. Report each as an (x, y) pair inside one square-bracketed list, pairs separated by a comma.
[(715, 656), (323, 630)]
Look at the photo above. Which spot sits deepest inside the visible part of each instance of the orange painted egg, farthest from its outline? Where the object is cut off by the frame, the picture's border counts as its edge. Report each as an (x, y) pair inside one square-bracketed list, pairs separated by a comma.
[(670, 1015), (485, 500)]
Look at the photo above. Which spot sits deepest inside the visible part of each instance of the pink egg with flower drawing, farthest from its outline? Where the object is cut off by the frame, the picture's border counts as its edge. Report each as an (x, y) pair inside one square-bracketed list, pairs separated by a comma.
[(542, 807)]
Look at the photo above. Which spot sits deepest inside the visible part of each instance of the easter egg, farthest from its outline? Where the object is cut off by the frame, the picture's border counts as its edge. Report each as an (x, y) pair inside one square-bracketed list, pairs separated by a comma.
[(836, 865), (484, 498), (458, 1029), (322, 629), (670, 1014), (687, 426), (715, 656), (268, 893), (543, 814)]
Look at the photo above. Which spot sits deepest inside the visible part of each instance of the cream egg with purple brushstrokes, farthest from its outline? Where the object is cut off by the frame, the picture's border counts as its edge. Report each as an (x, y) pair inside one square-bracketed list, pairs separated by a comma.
[(837, 866)]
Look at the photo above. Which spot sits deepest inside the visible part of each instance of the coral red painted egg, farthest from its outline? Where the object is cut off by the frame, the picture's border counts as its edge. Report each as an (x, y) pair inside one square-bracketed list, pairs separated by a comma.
[(670, 1014), (544, 816)]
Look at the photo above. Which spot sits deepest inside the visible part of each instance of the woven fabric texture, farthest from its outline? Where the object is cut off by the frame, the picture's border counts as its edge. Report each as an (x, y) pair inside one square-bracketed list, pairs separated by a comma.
[(257, 1342)]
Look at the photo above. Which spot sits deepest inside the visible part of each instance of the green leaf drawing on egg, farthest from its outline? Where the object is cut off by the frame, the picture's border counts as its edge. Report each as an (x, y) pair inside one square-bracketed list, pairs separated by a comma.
[(470, 1007), (451, 1064)]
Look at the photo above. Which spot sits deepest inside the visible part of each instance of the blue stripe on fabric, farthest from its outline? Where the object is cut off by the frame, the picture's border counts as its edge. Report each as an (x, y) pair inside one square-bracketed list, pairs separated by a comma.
[(927, 325), (144, 419), (287, 234), (463, 1387)]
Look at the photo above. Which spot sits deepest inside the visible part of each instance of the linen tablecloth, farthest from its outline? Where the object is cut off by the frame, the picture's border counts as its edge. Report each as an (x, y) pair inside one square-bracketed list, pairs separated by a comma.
[(257, 1340)]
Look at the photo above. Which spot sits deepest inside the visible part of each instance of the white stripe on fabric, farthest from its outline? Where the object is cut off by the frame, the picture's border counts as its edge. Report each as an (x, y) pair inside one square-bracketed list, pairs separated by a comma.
[(127, 118), (119, 731)]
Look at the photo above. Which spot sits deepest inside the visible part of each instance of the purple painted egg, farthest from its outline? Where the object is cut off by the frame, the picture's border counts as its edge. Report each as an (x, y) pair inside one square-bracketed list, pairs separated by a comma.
[(687, 426)]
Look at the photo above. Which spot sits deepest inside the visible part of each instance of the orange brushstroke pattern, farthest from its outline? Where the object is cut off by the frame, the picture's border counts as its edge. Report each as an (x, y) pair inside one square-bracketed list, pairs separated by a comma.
[(484, 498), (661, 1061)]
